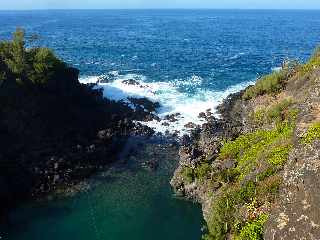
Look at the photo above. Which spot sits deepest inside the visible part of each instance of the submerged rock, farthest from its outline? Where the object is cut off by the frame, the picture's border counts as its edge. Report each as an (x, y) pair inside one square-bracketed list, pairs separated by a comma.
[(132, 82), (190, 125), (151, 165)]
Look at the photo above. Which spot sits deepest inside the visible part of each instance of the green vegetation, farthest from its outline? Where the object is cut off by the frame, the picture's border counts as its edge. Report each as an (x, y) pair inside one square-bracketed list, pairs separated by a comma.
[(250, 179), (14, 54), (259, 116), (279, 155), (44, 65), (313, 63), (278, 111), (312, 134), (248, 188), (269, 84), (275, 113), (268, 187), (201, 172), (225, 215), (276, 81), (254, 181), (187, 174), (38, 66), (261, 145), (253, 230)]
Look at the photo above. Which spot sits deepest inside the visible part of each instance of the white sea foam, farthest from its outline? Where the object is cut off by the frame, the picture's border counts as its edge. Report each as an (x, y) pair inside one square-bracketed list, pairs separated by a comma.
[(194, 80), (171, 99), (276, 69), (236, 56)]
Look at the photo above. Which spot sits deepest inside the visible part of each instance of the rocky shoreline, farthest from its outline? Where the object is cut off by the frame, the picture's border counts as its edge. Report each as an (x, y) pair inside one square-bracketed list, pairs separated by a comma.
[(54, 162)]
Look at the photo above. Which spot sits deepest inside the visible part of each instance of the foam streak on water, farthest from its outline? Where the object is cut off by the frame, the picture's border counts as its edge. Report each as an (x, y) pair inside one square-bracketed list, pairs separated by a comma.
[(169, 95)]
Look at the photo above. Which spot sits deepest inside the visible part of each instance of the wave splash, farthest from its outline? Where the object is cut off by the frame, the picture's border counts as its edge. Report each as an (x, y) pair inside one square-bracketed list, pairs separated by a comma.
[(185, 106)]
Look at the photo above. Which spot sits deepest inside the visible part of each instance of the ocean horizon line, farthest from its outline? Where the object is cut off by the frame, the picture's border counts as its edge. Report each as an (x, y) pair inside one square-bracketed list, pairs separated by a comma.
[(160, 9)]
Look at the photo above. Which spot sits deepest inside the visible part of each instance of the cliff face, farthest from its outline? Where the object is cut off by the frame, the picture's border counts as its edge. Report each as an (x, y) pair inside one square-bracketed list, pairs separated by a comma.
[(297, 212), (255, 170)]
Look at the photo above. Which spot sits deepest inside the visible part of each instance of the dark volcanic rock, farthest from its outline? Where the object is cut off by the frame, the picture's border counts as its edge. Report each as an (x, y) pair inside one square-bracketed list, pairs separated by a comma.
[(190, 125), (132, 82), (151, 165), (231, 109), (105, 134), (145, 103), (202, 115), (141, 130), (145, 109), (56, 136), (54, 131), (172, 117), (204, 145)]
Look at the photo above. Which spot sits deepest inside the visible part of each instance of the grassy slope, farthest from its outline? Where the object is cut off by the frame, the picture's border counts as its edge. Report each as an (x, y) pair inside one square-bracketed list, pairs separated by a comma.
[(249, 188)]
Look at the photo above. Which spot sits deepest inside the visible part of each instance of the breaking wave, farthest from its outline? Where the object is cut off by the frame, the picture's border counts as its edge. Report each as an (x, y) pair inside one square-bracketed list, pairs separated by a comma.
[(172, 100)]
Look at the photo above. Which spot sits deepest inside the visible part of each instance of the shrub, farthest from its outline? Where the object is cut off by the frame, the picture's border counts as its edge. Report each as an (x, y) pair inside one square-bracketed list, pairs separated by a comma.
[(267, 148), (223, 212), (44, 65), (258, 116), (313, 63), (250, 148), (279, 155), (202, 171), (312, 134), (16, 56), (35, 66), (221, 216), (229, 175), (187, 174), (268, 84), (268, 188), (253, 230), (266, 173), (276, 113)]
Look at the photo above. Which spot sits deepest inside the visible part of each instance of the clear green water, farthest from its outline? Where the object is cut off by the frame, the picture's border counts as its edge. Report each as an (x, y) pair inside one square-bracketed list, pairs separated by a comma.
[(124, 203)]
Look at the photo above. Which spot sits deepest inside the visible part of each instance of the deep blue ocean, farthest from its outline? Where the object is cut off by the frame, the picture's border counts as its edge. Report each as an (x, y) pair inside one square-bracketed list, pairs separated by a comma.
[(188, 60), (193, 58)]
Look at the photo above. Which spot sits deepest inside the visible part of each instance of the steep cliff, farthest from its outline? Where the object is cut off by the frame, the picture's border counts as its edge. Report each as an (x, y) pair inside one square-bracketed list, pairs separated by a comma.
[(255, 170)]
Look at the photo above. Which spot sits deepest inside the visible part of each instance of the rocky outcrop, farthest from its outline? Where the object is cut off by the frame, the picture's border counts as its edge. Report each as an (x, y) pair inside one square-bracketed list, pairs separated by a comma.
[(55, 135), (297, 214), (204, 144), (208, 172)]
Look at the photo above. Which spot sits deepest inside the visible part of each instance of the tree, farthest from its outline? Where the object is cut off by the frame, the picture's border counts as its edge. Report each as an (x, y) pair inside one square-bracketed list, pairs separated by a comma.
[(37, 66), (16, 61), (44, 65)]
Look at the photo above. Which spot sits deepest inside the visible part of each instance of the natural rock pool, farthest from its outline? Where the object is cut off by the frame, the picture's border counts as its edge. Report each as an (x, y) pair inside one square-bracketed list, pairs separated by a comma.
[(128, 201)]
